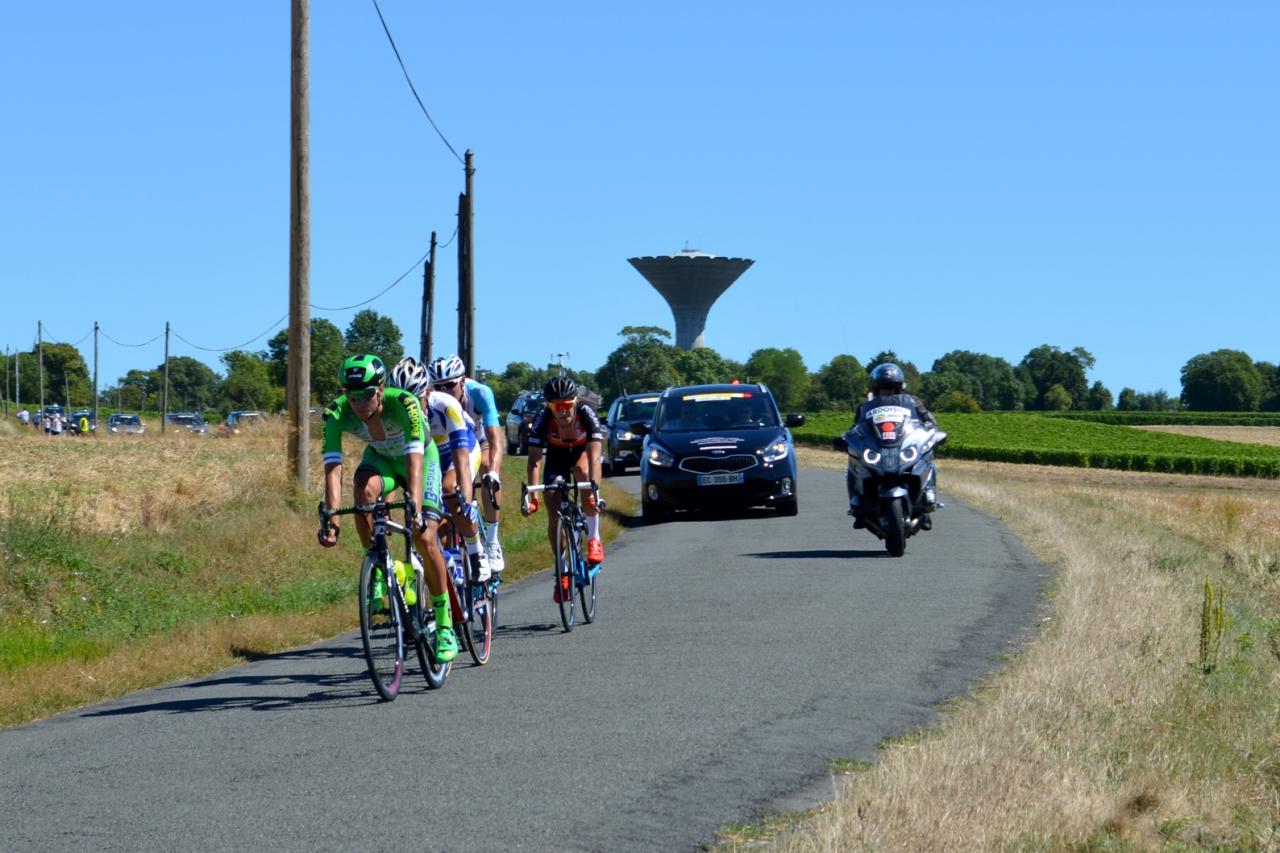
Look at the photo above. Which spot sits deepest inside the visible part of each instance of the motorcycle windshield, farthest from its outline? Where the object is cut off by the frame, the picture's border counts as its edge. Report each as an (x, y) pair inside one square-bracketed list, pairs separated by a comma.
[(887, 424)]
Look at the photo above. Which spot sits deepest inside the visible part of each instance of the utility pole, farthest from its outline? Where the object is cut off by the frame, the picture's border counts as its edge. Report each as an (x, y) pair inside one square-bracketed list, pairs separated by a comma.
[(40, 345), (17, 378), (7, 360), (95, 371), (428, 302), (470, 354), (298, 380), (164, 406), (462, 276)]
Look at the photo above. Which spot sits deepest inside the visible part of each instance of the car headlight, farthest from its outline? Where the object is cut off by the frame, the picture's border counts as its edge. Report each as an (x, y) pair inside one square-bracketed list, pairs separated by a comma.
[(622, 435), (776, 451), (660, 456)]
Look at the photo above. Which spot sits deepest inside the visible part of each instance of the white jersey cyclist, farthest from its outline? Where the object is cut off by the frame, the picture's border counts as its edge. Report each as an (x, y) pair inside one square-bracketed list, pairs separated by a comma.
[(451, 428)]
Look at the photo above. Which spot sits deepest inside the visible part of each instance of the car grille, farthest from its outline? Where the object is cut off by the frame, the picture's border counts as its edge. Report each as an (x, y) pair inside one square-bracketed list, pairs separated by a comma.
[(717, 464)]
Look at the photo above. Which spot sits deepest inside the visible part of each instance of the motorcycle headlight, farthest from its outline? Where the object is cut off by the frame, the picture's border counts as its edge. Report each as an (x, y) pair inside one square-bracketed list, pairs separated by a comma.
[(909, 454), (660, 456), (776, 452), (871, 457)]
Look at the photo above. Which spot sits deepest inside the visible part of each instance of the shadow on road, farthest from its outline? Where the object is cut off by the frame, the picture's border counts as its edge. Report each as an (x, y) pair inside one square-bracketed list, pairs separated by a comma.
[(818, 554), (351, 687)]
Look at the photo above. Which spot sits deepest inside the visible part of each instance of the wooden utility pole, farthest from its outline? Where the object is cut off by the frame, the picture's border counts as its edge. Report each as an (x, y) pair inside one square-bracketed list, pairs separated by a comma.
[(470, 352), (298, 381), (462, 276), (428, 302), (95, 371), (164, 405), (40, 345)]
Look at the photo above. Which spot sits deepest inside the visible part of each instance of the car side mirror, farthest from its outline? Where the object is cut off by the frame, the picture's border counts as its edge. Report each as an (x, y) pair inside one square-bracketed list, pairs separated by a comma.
[(640, 427), (795, 420), (839, 443)]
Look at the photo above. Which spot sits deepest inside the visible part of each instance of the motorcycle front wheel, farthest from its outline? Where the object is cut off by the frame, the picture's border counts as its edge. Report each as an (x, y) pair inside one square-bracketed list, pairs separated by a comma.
[(895, 527)]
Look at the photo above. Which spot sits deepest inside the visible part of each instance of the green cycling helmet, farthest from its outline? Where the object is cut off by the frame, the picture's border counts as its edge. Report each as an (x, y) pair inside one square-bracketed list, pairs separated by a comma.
[(362, 371)]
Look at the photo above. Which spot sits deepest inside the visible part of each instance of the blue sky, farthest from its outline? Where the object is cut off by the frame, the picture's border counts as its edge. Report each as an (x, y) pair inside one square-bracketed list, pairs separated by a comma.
[(921, 177)]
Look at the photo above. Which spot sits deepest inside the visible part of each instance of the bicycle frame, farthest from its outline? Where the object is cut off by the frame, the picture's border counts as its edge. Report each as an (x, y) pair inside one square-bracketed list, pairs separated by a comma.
[(569, 515)]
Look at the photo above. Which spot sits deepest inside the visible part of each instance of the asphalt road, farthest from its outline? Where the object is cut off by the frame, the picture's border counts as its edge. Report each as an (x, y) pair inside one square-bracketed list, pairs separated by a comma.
[(732, 659)]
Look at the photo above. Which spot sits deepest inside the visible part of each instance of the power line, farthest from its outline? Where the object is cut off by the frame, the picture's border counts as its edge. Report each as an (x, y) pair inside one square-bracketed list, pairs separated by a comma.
[(396, 50), (446, 243), (375, 296), (237, 346), (119, 344)]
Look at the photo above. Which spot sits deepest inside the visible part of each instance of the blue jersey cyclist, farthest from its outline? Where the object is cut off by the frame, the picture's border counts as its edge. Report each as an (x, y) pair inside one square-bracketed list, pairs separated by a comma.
[(448, 375), (390, 422), (569, 434)]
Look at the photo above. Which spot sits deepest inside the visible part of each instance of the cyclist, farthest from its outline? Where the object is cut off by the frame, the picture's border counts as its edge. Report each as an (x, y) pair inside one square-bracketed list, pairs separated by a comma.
[(572, 435), (389, 421), (448, 376), (453, 434)]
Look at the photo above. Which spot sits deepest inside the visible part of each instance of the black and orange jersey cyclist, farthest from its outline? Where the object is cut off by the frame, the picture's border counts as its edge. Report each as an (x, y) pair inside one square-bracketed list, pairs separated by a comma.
[(568, 435)]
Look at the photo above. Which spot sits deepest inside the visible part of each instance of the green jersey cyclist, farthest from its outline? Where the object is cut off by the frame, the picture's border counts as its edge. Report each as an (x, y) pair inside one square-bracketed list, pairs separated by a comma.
[(390, 422)]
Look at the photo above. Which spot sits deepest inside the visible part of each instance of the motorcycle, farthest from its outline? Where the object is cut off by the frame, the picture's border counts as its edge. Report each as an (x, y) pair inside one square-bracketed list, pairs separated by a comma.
[(891, 475)]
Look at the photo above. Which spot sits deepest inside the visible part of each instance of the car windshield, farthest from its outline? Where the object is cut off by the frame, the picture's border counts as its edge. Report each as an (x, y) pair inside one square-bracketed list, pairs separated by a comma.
[(185, 420), (127, 419), (716, 410), (639, 409)]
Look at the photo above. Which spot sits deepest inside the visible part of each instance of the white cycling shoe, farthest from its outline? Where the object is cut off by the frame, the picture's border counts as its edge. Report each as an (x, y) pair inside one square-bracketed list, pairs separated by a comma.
[(493, 550)]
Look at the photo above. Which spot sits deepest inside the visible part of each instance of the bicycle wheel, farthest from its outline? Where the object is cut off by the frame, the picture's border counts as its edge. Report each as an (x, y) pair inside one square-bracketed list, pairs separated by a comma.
[(433, 671), (381, 630), (566, 558), (587, 586), (479, 627)]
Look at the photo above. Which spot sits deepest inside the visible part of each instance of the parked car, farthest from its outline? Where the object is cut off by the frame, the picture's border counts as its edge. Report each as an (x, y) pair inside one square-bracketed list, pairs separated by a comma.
[(125, 422), (621, 444), (715, 446), (73, 420), (188, 421), (238, 421), (523, 410)]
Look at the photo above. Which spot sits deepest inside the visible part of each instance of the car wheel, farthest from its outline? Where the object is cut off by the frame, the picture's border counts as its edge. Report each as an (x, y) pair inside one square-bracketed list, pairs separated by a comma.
[(653, 514), (788, 508), (511, 447)]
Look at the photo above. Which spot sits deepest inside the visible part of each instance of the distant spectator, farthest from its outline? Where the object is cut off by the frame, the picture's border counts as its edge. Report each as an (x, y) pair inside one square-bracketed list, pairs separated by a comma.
[(84, 424), (55, 424), (24, 417)]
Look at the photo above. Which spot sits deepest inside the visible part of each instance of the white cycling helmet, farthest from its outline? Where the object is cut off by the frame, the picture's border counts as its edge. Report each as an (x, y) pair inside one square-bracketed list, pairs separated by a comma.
[(410, 375), (446, 369)]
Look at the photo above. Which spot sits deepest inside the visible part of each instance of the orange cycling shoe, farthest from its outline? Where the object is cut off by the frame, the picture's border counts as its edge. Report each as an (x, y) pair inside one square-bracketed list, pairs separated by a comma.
[(595, 552)]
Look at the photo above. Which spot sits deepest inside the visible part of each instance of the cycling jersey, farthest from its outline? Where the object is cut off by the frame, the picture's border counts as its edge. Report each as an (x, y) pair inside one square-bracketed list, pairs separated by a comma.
[(405, 436), (478, 402), (451, 428), (585, 427)]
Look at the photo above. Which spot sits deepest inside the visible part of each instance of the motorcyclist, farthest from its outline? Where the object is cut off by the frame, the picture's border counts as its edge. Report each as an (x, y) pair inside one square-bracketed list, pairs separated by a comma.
[(889, 388)]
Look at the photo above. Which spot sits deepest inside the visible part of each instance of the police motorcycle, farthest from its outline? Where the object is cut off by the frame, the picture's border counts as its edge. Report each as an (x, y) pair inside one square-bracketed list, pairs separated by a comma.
[(891, 476)]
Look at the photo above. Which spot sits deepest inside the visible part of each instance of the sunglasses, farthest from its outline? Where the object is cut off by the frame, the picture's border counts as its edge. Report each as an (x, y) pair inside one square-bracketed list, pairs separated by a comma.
[(362, 395), (447, 386), (562, 406)]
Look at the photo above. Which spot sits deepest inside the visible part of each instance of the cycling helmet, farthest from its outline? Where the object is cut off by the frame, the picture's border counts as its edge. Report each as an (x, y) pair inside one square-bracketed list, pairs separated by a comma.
[(362, 371), (888, 377), (410, 375), (559, 388), (446, 369)]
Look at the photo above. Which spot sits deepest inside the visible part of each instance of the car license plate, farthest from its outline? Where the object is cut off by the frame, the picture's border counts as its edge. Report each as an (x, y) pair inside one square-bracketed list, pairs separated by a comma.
[(719, 479)]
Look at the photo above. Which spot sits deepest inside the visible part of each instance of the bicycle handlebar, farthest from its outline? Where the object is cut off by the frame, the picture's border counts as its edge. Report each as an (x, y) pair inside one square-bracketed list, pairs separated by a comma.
[(378, 507), (560, 486)]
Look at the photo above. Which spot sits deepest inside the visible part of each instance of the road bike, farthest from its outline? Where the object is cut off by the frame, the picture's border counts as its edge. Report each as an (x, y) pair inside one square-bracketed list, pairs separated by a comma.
[(474, 603), (572, 571), (387, 623)]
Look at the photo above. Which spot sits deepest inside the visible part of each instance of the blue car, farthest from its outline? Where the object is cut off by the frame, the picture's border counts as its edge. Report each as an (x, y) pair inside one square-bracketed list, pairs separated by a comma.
[(717, 446)]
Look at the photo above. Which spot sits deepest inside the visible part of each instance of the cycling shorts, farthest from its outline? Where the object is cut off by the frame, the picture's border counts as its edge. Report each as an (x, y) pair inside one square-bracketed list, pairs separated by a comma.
[(446, 462), (562, 460), (395, 475)]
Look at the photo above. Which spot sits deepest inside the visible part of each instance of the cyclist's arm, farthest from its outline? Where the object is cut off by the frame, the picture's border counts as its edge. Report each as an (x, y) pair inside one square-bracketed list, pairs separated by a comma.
[(534, 469), (493, 455), (462, 464)]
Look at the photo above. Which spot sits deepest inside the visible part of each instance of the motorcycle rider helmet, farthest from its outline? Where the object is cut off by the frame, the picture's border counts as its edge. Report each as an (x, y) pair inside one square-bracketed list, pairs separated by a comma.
[(362, 371), (888, 379), (410, 375), (559, 388), (446, 370)]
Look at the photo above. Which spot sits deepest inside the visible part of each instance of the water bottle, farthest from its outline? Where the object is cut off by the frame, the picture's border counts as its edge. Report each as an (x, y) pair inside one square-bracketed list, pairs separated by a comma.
[(453, 559)]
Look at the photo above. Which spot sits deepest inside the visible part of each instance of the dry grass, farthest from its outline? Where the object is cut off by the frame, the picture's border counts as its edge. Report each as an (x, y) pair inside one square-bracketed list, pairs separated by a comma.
[(1243, 434), (1103, 734)]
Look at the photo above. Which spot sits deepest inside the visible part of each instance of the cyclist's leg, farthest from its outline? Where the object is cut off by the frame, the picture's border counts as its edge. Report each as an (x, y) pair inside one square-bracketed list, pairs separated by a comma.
[(492, 546), (375, 476), (428, 544), (476, 555), (595, 548)]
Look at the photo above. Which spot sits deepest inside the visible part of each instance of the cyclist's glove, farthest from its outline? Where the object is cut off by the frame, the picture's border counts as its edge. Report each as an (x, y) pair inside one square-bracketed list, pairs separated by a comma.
[(410, 510), (533, 505)]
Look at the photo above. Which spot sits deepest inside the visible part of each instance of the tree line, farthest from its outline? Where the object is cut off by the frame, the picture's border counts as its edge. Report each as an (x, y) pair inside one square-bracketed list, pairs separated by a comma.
[(1047, 378)]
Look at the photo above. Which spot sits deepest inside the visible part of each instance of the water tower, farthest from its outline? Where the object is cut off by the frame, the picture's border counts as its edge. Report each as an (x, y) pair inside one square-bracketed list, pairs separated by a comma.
[(691, 282)]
